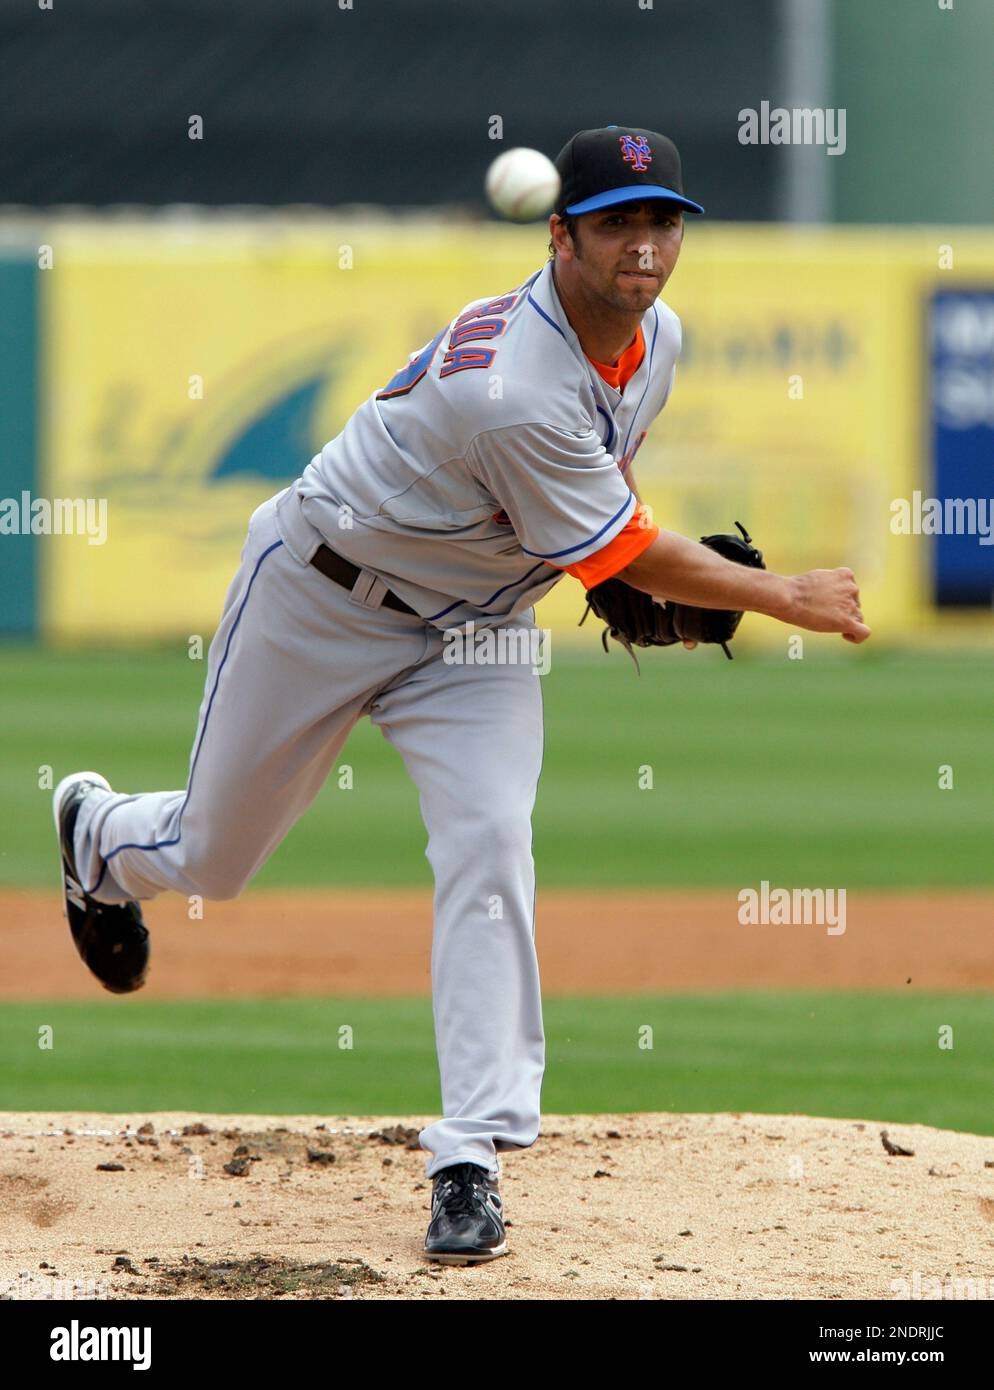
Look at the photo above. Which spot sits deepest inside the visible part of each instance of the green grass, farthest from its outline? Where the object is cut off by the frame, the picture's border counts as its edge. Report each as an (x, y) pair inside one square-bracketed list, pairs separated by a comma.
[(853, 1055), (821, 771)]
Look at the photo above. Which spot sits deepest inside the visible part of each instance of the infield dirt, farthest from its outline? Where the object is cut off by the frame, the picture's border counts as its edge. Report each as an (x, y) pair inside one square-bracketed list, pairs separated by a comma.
[(603, 1207), (379, 943)]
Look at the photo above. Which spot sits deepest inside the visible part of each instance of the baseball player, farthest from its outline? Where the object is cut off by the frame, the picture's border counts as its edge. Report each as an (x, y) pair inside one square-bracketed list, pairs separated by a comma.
[(496, 460)]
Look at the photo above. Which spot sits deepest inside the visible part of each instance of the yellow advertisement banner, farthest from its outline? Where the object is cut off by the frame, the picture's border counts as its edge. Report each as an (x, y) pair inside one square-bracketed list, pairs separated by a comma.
[(192, 370)]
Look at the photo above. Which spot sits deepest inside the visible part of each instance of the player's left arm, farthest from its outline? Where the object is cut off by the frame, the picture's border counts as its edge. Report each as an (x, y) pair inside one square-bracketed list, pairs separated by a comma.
[(674, 567)]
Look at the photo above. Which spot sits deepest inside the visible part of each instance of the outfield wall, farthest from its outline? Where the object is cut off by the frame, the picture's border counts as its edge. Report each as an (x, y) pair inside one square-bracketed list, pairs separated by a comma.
[(186, 370)]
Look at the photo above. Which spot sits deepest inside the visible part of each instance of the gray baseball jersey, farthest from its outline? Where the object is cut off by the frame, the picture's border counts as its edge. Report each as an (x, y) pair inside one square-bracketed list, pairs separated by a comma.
[(490, 463), (493, 460)]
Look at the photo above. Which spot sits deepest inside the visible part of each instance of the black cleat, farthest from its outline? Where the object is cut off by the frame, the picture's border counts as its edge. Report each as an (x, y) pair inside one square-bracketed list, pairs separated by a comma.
[(112, 939), (467, 1217)]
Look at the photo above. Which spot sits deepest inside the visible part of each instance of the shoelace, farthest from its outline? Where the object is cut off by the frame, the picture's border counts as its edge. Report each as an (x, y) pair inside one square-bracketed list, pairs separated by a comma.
[(462, 1189)]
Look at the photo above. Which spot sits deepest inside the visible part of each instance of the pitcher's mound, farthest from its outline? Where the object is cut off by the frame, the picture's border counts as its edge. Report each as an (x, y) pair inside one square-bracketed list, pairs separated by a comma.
[(604, 1206)]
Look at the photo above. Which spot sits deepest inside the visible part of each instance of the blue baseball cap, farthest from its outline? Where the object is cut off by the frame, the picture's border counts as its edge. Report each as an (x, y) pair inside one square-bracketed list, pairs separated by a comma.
[(618, 164)]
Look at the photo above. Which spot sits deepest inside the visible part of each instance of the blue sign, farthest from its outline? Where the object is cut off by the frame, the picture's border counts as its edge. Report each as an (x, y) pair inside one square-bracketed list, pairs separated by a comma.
[(960, 511)]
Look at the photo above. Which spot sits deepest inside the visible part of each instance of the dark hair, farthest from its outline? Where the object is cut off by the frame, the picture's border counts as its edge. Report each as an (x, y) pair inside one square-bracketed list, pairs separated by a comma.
[(570, 224)]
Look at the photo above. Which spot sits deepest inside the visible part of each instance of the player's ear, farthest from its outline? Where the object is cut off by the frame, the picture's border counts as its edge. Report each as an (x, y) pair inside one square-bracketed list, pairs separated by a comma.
[(564, 228)]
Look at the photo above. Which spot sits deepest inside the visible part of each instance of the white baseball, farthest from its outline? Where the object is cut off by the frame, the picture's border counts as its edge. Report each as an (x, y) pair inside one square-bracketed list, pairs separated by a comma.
[(522, 184)]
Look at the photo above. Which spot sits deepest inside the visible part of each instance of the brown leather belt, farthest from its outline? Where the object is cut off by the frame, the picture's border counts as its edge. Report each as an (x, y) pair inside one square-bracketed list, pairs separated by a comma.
[(342, 571)]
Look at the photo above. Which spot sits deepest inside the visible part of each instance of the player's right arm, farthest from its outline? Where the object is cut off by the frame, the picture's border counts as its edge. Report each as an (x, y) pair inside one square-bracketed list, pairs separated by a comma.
[(673, 567)]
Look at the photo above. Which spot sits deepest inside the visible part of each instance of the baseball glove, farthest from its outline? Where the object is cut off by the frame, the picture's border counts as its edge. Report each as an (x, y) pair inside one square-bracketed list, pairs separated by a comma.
[(636, 619)]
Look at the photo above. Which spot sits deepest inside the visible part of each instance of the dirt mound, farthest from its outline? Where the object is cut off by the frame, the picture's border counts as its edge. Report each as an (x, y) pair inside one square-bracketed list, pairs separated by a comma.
[(604, 1206)]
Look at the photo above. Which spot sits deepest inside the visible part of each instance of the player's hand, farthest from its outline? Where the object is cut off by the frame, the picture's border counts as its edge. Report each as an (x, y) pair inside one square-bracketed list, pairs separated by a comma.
[(826, 601), (690, 646)]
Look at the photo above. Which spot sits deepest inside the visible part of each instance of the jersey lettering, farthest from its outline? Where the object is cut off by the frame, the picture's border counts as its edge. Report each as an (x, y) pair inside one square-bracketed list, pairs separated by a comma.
[(463, 359), (475, 330), (630, 453), (496, 306), (408, 377), (475, 325)]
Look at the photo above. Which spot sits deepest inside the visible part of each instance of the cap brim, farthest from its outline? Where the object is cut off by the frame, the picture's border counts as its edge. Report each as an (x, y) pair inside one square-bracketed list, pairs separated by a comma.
[(631, 193)]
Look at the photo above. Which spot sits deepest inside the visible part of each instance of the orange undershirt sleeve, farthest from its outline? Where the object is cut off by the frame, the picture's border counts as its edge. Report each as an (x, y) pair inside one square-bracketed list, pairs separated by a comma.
[(637, 535)]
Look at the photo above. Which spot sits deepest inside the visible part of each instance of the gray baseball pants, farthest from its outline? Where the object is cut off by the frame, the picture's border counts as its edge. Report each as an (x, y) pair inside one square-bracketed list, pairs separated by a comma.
[(296, 661)]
